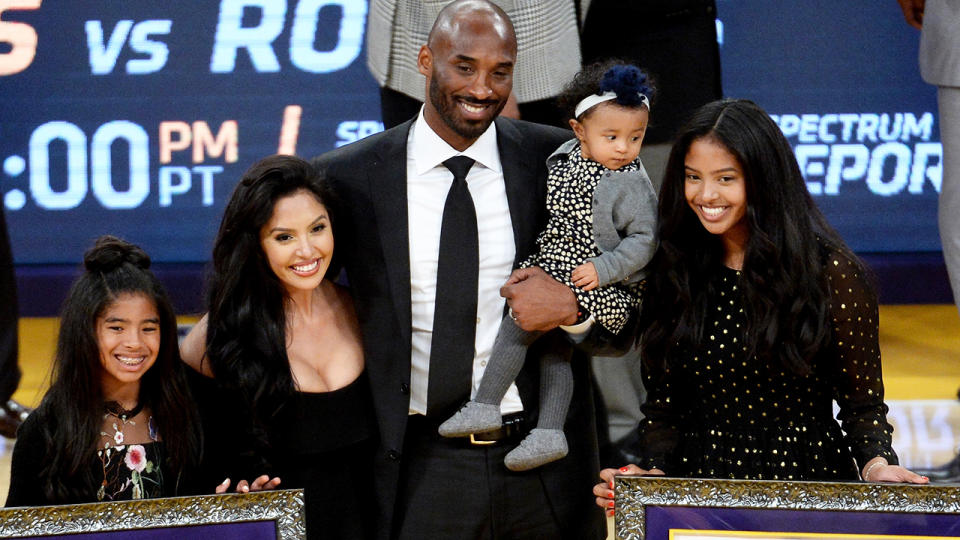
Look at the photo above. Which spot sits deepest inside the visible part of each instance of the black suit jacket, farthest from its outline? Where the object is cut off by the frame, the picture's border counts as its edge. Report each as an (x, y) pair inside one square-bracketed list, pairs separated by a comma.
[(372, 242)]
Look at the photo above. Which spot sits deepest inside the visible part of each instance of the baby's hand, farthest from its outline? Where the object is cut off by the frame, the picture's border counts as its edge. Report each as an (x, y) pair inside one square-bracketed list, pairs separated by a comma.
[(585, 276)]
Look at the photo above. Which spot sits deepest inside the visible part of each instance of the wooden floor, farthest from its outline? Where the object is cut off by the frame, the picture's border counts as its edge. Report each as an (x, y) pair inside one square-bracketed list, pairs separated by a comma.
[(921, 363)]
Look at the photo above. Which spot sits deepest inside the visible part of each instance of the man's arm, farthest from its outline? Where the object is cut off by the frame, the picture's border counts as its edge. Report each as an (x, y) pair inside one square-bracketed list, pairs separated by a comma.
[(539, 302)]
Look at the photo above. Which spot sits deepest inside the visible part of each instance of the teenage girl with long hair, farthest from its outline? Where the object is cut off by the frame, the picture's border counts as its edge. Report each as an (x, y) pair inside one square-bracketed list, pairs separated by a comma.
[(757, 318)]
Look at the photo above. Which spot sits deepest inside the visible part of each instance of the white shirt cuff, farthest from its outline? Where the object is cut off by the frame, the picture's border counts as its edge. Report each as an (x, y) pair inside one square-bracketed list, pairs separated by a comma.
[(578, 332)]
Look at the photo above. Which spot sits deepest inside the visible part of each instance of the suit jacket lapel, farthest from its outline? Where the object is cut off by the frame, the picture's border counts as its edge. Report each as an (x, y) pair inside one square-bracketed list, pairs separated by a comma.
[(518, 168), (388, 191)]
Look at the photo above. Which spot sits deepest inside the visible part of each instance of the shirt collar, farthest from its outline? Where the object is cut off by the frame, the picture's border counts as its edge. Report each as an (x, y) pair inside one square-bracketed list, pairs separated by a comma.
[(429, 150)]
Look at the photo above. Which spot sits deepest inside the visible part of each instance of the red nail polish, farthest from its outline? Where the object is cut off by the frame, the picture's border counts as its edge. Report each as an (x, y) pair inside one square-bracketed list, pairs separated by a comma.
[(610, 513), (624, 469), (609, 504), (611, 484)]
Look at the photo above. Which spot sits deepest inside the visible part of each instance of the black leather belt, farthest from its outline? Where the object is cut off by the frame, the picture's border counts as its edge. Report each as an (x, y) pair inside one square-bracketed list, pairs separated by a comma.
[(511, 430)]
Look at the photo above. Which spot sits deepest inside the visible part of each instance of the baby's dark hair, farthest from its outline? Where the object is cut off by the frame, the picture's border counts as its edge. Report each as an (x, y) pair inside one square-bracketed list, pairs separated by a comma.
[(624, 79)]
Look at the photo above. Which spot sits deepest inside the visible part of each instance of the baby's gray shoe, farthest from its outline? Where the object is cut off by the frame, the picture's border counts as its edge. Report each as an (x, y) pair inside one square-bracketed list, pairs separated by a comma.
[(538, 447), (474, 417)]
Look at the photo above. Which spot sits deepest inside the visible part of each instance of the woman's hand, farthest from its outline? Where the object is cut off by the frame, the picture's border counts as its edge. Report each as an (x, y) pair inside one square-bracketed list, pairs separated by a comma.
[(878, 470), (260, 483), (604, 490)]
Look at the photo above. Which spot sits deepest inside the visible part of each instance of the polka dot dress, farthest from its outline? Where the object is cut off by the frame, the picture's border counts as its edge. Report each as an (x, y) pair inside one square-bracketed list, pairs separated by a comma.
[(719, 414), (567, 241)]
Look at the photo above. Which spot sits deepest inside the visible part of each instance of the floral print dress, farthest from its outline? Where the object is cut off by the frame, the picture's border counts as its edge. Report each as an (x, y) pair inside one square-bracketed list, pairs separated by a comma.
[(129, 471), (128, 464)]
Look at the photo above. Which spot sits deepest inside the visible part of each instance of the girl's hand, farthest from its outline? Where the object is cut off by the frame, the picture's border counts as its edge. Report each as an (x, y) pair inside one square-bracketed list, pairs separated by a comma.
[(604, 490), (878, 470), (896, 473), (585, 276), (261, 483)]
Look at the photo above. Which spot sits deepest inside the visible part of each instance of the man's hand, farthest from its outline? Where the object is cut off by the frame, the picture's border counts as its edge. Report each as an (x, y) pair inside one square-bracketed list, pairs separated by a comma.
[(537, 301), (913, 12)]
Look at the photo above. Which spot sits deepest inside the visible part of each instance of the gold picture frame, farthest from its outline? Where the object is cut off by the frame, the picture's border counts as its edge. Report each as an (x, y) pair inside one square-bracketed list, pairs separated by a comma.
[(282, 507), (934, 510)]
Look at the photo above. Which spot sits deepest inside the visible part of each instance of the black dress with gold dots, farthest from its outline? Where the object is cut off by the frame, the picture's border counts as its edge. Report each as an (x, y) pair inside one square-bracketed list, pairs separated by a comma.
[(718, 414)]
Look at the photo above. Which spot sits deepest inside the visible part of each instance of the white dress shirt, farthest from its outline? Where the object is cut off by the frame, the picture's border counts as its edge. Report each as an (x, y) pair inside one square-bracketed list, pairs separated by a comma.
[(428, 182)]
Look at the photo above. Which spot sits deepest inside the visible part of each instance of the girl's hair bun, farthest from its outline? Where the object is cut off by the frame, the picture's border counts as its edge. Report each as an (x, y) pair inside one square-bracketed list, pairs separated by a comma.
[(110, 252), (628, 82)]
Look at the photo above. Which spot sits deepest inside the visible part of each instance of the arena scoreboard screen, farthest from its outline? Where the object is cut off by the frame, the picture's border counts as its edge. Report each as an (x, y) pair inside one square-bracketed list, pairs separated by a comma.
[(137, 118)]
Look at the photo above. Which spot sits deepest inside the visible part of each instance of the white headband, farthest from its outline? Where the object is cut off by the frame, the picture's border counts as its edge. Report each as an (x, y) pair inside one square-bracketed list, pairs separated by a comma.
[(595, 99)]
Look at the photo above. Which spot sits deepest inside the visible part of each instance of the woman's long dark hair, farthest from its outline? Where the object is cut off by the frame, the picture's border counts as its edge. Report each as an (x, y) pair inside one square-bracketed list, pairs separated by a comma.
[(784, 289), (72, 409), (246, 321)]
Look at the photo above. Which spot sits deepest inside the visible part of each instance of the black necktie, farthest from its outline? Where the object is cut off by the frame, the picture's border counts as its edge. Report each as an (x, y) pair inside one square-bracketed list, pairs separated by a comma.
[(455, 307)]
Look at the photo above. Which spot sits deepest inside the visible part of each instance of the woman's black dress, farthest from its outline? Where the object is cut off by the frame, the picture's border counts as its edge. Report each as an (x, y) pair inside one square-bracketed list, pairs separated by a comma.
[(717, 414), (322, 442)]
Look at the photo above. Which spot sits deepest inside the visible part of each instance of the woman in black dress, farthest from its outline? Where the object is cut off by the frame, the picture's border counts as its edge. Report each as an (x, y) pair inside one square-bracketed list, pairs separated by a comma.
[(285, 394), (117, 422), (757, 318)]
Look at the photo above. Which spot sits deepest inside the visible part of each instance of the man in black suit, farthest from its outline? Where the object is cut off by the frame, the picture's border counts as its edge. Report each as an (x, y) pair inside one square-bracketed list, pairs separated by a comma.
[(395, 187)]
